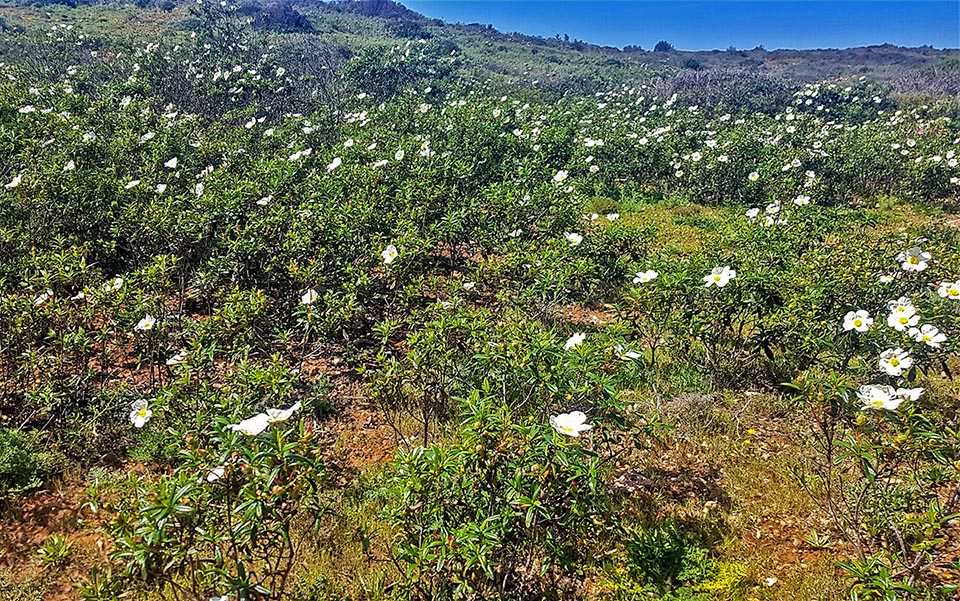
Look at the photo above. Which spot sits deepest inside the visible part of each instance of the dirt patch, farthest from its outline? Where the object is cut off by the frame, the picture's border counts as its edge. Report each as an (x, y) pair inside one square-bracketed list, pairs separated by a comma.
[(32, 522), (587, 316)]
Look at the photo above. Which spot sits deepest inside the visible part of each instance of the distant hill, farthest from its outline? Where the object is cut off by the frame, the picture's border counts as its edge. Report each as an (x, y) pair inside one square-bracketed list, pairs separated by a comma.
[(484, 54)]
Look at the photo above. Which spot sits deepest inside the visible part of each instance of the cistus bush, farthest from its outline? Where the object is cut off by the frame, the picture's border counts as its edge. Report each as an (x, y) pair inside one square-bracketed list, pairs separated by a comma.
[(505, 509), (225, 521)]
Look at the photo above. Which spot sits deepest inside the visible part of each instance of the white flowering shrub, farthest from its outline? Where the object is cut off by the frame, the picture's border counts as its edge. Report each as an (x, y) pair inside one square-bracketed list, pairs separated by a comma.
[(492, 513), (223, 522)]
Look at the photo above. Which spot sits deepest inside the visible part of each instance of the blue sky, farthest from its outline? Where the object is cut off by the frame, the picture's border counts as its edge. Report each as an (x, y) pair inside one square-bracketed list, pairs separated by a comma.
[(716, 24)]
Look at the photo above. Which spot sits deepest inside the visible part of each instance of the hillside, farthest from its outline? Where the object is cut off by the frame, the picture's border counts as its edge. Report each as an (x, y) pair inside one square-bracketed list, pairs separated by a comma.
[(333, 302), (510, 59)]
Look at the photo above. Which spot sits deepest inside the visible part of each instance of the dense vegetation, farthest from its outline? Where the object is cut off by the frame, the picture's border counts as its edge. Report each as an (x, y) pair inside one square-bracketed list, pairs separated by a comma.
[(312, 320)]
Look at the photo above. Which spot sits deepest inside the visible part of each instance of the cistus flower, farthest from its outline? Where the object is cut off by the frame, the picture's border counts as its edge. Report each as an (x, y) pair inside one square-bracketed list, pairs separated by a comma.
[(309, 297), (754, 176), (177, 359), (216, 473), (913, 259), (719, 276), (644, 277), (145, 324), (570, 424), (140, 413), (894, 361), (43, 298), (281, 415), (573, 238), (949, 290), (928, 334), (879, 396), (252, 425), (389, 254), (902, 306), (560, 176), (574, 341), (901, 321), (857, 320), (259, 422)]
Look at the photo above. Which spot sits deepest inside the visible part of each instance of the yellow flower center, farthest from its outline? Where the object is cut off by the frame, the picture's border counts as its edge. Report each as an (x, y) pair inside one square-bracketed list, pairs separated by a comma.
[(954, 292), (894, 362), (857, 323), (142, 413), (716, 278), (914, 260)]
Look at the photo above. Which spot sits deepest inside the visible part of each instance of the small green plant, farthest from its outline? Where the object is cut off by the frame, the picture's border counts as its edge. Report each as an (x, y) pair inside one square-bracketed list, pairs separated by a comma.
[(55, 550)]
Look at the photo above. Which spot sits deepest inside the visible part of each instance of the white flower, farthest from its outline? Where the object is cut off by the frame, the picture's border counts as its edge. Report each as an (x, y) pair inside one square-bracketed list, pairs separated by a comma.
[(949, 290), (613, 216), (468, 286), (309, 297), (910, 394), (857, 320), (591, 216), (901, 321), (70, 166), (902, 306), (644, 277), (625, 354), (398, 155), (252, 425), (380, 163), (113, 285), (334, 164), (161, 188), (881, 396), (573, 238), (265, 200), (801, 200), (885, 279), (754, 176), (132, 184), (570, 424), (281, 415), (389, 254), (42, 298), (772, 209), (752, 213), (14, 182), (928, 334), (894, 361), (560, 176), (214, 475), (172, 163), (914, 259), (177, 359), (719, 276), (140, 413), (574, 341), (145, 324)]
